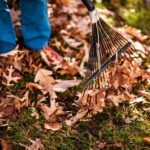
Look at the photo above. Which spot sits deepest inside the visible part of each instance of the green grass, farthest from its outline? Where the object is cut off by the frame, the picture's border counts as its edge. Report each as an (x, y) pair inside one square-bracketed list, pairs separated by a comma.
[(134, 13), (109, 127)]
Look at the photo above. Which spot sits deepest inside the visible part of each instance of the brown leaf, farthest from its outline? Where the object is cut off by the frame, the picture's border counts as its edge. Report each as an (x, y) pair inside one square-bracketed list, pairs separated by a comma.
[(36, 145), (68, 66), (53, 126), (51, 112), (115, 145), (146, 140), (101, 145), (48, 111), (44, 77), (144, 93), (6, 145), (10, 78), (117, 99), (8, 111), (62, 86), (73, 43), (136, 34), (20, 102), (62, 1), (46, 81), (80, 114), (34, 113), (37, 86)]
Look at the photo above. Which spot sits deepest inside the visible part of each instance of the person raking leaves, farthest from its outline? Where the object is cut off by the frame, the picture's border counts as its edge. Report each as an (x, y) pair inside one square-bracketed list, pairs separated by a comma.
[(36, 29)]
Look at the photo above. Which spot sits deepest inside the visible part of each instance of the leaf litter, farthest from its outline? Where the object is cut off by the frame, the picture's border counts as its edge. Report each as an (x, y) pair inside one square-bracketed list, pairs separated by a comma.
[(51, 78)]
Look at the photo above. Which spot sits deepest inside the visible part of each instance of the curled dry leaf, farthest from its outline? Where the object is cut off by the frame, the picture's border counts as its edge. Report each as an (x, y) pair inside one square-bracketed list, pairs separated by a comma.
[(36, 145), (8, 111), (146, 140), (80, 114), (101, 145), (98, 101), (72, 42), (114, 146), (136, 34), (34, 113), (69, 66), (62, 86), (138, 100), (48, 111), (93, 100), (53, 126), (37, 86), (1, 72), (144, 93), (120, 98), (5, 145), (20, 102), (51, 112), (44, 57)]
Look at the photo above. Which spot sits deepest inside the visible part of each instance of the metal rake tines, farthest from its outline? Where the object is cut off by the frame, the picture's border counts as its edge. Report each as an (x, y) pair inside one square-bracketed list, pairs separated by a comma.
[(107, 45), (105, 65), (116, 41)]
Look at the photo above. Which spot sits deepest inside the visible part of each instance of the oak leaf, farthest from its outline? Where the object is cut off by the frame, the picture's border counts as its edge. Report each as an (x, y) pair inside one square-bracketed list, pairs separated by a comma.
[(10, 78)]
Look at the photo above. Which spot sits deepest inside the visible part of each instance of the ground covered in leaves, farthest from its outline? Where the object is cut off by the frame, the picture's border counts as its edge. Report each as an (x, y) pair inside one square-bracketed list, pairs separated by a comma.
[(40, 97)]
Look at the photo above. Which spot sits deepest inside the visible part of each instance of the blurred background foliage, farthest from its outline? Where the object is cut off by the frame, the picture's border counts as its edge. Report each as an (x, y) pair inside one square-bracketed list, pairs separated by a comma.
[(135, 13)]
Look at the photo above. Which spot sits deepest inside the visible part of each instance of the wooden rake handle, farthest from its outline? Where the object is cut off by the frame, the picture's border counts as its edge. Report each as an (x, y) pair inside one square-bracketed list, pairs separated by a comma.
[(89, 5)]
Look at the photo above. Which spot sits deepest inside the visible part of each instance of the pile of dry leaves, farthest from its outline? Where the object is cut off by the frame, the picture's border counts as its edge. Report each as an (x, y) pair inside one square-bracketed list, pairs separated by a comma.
[(24, 73)]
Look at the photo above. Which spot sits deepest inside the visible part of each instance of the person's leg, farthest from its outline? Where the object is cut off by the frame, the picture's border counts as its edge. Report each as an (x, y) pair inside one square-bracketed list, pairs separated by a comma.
[(36, 29), (7, 34)]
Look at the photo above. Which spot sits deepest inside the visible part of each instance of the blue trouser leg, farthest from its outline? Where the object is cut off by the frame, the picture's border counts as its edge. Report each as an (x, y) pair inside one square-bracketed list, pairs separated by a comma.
[(7, 34), (36, 29)]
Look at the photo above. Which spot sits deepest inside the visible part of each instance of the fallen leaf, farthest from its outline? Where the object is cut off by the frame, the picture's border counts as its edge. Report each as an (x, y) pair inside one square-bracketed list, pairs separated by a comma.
[(34, 113), (43, 76), (144, 93), (10, 78), (36, 145), (5, 145), (53, 126), (136, 34), (101, 145), (46, 81), (146, 140), (8, 111), (62, 86), (114, 146), (80, 114), (48, 111), (138, 100)]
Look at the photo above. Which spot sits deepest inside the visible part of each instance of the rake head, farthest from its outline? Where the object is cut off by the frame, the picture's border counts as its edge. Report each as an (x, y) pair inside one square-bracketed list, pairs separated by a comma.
[(107, 45)]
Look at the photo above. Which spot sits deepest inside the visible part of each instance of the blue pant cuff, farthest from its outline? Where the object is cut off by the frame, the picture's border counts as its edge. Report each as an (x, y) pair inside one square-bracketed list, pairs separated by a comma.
[(36, 44), (6, 47)]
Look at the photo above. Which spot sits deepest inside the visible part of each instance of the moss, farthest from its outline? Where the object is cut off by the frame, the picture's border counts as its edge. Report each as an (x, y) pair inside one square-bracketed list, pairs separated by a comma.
[(108, 127)]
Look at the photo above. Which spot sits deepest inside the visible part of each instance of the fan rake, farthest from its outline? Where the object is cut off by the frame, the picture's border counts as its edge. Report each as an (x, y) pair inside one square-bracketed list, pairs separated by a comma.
[(107, 45)]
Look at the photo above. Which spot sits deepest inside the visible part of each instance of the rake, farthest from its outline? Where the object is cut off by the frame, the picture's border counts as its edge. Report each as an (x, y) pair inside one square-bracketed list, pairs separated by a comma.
[(107, 45)]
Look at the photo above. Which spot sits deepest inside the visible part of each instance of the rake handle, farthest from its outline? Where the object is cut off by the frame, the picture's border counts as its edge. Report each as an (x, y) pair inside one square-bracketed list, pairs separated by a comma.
[(89, 5)]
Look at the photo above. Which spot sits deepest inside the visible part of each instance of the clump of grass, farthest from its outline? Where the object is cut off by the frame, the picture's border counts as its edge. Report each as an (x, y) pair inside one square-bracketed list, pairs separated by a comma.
[(109, 127)]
